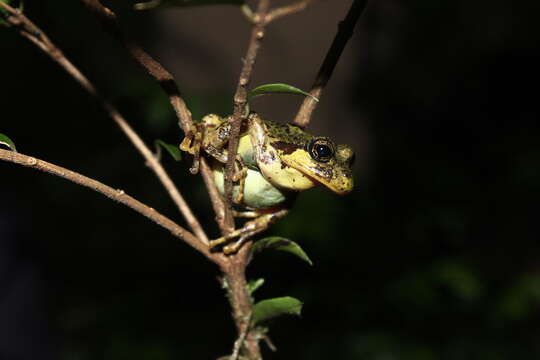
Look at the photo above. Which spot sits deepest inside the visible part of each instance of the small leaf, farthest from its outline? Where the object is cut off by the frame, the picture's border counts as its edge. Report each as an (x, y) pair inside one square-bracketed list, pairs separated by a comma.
[(4, 140), (182, 3), (270, 308), (173, 150), (278, 89), (282, 244), (253, 285)]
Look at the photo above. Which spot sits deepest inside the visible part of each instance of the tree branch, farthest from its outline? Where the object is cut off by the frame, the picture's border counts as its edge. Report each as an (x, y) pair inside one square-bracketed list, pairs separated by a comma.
[(240, 100), (345, 31), (114, 194), (168, 84), (235, 268), (30, 31), (287, 10)]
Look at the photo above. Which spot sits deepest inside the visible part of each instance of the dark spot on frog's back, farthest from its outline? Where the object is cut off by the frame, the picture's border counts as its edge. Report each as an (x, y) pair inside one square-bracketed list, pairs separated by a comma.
[(286, 147)]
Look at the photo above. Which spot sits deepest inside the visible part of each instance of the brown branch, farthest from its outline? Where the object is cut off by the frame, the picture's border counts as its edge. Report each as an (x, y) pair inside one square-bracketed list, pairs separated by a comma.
[(235, 268), (215, 197), (30, 31), (114, 194), (345, 31), (165, 79), (241, 303), (240, 101), (277, 13)]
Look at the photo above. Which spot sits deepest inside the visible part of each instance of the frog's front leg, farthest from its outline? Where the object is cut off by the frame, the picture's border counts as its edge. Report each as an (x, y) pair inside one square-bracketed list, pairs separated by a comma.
[(210, 134), (249, 229), (192, 144)]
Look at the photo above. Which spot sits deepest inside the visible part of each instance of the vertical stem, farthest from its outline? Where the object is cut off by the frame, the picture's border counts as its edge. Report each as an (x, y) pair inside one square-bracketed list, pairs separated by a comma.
[(241, 303), (240, 101)]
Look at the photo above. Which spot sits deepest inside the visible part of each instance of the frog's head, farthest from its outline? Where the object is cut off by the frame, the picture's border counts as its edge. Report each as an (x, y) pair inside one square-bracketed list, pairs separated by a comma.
[(294, 159), (322, 161)]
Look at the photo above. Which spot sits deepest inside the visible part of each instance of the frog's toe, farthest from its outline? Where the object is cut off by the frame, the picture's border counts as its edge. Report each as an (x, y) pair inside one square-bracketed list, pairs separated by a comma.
[(235, 246), (213, 243)]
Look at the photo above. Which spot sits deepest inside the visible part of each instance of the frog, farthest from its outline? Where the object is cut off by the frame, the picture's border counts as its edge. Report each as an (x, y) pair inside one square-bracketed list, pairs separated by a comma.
[(274, 162)]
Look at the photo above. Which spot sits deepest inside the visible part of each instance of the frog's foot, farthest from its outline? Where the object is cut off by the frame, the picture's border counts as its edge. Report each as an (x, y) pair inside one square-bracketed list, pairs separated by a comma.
[(251, 214), (249, 229), (192, 145)]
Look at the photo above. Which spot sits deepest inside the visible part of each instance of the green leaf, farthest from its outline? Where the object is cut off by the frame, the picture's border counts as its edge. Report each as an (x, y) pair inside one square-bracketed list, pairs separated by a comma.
[(182, 3), (253, 285), (282, 244), (173, 150), (277, 89), (4, 140), (270, 308)]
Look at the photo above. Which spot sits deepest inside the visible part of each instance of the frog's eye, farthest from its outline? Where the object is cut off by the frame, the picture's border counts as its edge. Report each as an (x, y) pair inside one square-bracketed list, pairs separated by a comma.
[(321, 149)]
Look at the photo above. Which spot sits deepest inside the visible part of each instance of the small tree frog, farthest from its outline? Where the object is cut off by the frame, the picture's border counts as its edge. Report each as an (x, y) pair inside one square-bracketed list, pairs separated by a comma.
[(274, 162)]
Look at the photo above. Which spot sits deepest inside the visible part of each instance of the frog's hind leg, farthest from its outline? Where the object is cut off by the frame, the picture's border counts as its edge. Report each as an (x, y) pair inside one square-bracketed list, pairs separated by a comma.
[(249, 229)]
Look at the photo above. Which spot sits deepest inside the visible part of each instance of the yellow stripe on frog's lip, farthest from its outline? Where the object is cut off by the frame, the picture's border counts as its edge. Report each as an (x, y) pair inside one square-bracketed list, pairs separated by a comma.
[(337, 182)]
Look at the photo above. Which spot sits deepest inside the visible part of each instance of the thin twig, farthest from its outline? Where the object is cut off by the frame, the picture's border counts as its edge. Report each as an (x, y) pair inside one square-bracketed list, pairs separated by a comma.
[(345, 31), (30, 31), (240, 100), (168, 84), (115, 194), (280, 12), (215, 197)]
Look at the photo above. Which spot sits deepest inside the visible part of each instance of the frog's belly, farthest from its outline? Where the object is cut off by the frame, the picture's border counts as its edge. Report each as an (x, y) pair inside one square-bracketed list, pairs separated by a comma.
[(258, 192)]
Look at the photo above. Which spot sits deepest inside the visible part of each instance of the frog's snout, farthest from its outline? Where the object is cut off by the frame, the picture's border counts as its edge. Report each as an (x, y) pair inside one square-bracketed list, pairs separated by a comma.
[(342, 183)]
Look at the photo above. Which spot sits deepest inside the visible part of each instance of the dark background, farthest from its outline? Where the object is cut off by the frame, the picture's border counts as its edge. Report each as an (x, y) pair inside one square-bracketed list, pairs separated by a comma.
[(435, 255)]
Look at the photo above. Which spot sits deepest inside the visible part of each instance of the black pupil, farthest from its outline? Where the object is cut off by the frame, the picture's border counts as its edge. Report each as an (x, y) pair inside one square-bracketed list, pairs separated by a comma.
[(323, 151)]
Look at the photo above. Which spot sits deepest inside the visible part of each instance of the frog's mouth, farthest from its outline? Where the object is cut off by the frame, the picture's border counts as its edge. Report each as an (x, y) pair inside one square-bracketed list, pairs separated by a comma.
[(338, 180)]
